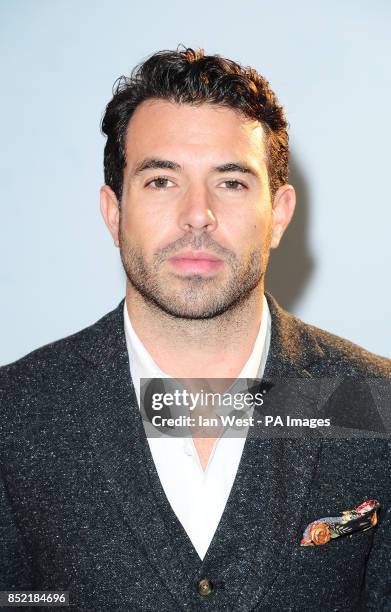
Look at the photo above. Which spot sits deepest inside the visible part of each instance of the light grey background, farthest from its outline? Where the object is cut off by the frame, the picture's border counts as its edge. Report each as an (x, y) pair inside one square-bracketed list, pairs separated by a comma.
[(329, 64)]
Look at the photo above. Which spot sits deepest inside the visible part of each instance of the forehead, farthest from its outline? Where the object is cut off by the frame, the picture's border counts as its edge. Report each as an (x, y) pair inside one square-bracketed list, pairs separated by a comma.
[(202, 132)]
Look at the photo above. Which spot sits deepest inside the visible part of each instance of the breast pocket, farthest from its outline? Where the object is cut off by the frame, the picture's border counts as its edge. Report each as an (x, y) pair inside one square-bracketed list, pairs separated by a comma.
[(333, 572)]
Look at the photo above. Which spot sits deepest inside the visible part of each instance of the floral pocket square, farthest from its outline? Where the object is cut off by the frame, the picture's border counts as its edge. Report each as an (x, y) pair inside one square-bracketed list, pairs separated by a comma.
[(323, 530)]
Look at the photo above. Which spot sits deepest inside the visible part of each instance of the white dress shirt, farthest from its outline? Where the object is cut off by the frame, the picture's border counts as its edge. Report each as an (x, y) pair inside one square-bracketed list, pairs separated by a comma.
[(197, 497)]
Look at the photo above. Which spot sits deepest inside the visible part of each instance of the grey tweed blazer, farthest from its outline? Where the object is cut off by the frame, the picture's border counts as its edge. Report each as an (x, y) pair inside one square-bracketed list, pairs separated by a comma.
[(82, 508)]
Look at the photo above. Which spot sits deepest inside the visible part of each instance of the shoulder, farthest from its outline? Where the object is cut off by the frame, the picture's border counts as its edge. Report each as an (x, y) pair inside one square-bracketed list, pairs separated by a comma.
[(343, 357), (320, 352), (54, 365)]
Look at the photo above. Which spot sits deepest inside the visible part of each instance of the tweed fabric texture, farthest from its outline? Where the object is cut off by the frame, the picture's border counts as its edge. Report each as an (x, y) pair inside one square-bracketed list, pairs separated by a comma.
[(82, 508)]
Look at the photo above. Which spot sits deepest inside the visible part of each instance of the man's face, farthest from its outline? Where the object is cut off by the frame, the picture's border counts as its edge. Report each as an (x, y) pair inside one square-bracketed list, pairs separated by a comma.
[(185, 189)]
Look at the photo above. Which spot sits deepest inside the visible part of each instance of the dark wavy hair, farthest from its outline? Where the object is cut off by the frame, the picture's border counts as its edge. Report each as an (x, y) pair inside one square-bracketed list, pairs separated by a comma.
[(189, 76)]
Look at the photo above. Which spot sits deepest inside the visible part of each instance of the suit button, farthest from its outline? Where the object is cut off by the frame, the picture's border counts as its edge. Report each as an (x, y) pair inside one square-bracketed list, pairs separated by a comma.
[(205, 587)]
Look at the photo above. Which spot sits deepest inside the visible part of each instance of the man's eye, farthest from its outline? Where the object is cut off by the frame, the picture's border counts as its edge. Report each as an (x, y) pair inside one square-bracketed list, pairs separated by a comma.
[(159, 182), (235, 185)]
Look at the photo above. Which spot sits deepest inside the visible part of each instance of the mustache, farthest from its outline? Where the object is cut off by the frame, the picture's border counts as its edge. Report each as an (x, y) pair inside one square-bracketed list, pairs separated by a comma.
[(195, 243)]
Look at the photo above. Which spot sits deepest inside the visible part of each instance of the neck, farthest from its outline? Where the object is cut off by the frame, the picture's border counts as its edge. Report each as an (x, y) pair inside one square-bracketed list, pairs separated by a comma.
[(214, 348)]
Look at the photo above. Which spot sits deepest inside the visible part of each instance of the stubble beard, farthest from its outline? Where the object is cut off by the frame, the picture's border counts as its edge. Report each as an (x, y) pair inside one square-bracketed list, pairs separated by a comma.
[(193, 297)]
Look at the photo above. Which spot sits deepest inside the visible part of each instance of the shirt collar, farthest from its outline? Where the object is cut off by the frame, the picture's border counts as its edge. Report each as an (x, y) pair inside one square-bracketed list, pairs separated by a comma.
[(143, 366)]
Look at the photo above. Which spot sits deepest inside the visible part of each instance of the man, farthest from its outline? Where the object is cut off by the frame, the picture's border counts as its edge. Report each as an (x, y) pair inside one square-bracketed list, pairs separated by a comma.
[(195, 196)]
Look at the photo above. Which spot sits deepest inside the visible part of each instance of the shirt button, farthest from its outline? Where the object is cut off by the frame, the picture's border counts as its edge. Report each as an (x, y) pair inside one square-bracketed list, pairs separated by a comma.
[(205, 587)]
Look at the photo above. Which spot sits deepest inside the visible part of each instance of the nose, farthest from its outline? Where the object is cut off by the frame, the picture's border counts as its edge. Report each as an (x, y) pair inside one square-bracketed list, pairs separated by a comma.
[(196, 212)]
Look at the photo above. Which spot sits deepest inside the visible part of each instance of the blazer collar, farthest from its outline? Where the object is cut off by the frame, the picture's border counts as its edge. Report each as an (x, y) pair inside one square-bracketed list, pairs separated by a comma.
[(292, 352), (293, 349)]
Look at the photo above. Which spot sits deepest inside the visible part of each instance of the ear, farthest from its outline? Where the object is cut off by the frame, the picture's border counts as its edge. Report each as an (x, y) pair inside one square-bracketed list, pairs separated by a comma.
[(109, 207), (284, 203)]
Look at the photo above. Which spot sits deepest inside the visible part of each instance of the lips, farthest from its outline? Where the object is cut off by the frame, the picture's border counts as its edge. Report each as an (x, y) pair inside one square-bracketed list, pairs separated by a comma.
[(196, 255), (192, 262)]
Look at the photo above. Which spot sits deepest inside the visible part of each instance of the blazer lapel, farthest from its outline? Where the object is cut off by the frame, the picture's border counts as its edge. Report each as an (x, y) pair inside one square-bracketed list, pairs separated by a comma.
[(107, 406), (293, 356), (261, 521)]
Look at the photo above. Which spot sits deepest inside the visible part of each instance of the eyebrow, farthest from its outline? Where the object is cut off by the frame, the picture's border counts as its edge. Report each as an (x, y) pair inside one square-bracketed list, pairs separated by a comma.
[(166, 164)]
